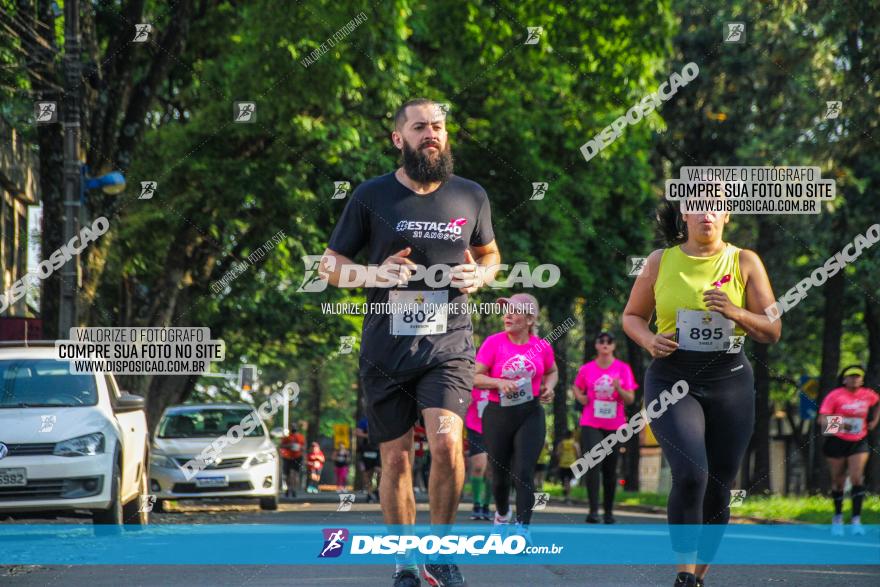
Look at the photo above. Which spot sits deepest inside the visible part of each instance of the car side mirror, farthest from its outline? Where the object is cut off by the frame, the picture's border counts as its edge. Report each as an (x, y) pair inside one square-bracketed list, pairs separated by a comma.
[(128, 402)]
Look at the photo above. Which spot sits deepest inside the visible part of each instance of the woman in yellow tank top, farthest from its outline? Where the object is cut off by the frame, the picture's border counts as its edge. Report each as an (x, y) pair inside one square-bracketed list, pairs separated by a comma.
[(707, 295), (567, 452)]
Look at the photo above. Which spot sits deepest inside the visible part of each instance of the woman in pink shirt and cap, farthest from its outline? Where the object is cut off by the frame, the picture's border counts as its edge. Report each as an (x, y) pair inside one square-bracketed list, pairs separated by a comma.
[(519, 371), (603, 386)]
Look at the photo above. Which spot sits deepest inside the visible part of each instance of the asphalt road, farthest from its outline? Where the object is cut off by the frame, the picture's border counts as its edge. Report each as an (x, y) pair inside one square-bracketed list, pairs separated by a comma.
[(322, 510)]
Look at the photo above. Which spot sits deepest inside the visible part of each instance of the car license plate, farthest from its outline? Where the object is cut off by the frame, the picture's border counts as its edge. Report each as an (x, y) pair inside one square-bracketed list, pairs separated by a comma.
[(212, 481), (13, 477)]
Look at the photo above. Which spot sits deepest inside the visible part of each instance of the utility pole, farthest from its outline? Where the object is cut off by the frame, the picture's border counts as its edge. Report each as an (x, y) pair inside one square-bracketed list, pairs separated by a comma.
[(70, 117)]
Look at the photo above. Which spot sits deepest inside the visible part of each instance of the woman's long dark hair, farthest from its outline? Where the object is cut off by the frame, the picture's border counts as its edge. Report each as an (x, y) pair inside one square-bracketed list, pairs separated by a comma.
[(670, 224)]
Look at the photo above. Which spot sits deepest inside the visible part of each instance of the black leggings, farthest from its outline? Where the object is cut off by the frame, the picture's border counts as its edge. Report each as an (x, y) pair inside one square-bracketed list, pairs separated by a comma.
[(590, 437), (704, 436), (514, 437)]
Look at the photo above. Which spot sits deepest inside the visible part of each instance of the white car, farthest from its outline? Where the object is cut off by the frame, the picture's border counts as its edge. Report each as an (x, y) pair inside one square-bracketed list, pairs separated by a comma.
[(247, 466), (69, 441)]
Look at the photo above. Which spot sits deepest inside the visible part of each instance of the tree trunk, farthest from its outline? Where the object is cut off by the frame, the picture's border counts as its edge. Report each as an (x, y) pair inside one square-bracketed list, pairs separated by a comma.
[(164, 391), (120, 140), (559, 311), (358, 414), (757, 460), (317, 384), (759, 446), (835, 289), (592, 324), (44, 78), (872, 380), (635, 357)]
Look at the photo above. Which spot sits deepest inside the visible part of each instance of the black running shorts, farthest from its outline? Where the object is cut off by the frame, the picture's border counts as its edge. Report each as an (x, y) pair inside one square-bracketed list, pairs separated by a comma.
[(476, 444), (394, 401), (288, 465), (837, 448)]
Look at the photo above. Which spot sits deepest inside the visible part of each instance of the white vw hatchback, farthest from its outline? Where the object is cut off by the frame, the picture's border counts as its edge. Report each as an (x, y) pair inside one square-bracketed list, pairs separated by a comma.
[(69, 441)]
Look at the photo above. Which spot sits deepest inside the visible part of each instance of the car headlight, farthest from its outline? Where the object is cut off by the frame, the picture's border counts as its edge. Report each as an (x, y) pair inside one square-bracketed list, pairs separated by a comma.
[(81, 446), (162, 462), (262, 458)]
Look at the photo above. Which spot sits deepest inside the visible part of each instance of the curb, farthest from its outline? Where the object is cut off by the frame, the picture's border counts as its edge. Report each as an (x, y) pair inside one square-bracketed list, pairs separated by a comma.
[(651, 509)]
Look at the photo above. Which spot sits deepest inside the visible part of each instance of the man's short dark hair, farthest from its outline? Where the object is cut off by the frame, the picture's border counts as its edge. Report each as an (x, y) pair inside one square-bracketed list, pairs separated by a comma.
[(400, 114)]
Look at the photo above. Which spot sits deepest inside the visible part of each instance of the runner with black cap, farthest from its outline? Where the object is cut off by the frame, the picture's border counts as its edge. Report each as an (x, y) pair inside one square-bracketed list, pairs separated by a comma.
[(420, 359)]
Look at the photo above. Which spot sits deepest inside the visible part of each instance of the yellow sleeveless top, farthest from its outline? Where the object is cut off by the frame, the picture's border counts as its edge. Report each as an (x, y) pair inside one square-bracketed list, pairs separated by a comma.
[(682, 279), (568, 455)]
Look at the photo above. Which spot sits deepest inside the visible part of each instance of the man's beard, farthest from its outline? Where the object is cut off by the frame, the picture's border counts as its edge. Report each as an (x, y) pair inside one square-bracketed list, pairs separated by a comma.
[(422, 169)]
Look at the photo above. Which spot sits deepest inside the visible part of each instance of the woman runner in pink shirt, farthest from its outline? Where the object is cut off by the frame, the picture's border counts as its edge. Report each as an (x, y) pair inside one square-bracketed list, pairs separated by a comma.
[(846, 416), (603, 386), (519, 370)]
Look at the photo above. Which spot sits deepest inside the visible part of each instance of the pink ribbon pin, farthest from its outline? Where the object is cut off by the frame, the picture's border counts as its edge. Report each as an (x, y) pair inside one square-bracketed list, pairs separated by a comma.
[(722, 281)]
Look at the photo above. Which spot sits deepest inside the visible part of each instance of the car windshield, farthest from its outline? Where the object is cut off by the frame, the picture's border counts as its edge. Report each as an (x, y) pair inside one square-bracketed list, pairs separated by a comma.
[(204, 423), (41, 383)]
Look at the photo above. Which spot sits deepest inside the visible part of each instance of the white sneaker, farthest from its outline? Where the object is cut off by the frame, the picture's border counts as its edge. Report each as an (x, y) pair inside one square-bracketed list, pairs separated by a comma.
[(503, 520), (837, 525), (857, 528)]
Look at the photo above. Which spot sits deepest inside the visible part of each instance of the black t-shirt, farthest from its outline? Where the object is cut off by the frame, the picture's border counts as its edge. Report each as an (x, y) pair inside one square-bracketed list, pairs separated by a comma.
[(386, 216)]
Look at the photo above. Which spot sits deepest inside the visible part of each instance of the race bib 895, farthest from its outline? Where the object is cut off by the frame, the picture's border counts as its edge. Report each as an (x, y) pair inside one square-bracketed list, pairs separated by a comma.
[(700, 330)]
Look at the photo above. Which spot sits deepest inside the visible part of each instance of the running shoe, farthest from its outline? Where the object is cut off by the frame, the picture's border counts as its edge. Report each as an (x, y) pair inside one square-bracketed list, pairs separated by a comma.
[(837, 525), (443, 576), (685, 580), (592, 518), (699, 582), (406, 578), (486, 514), (521, 529), (477, 513), (502, 520), (609, 519), (501, 524), (857, 528)]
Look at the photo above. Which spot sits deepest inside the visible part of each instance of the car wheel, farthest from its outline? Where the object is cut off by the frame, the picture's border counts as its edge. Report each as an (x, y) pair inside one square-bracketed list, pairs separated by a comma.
[(113, 515), (132, 512), (269, 503)]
